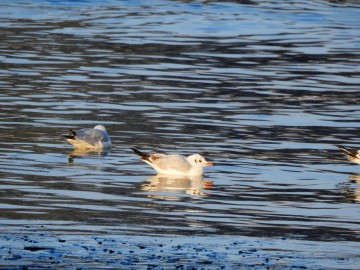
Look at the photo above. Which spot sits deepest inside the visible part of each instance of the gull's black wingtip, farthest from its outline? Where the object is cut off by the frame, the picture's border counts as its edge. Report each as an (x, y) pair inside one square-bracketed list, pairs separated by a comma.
[(137, 152), (340, 147), (347, 153), (142, 155), (71, 135)]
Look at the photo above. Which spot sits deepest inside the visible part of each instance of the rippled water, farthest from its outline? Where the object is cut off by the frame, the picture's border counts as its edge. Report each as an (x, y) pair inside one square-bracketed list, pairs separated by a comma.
[(266, 90)]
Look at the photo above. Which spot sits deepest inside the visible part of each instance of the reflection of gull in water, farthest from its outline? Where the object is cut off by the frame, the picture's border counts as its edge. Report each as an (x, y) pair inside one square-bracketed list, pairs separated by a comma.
[(175, 164), (86, 153), (351, 188), (351, 155), (193, 185), (89, 138)]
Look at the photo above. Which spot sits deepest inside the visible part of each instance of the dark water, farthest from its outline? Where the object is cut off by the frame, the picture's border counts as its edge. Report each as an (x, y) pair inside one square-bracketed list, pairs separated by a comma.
[(264, 89)]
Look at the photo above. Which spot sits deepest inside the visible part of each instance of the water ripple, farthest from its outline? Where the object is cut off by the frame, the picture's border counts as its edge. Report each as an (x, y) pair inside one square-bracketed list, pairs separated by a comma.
[(265, 90)]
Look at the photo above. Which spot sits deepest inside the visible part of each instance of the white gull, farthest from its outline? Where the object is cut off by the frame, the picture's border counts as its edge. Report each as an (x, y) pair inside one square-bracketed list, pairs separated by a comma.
[(175, 164), (89, 138)]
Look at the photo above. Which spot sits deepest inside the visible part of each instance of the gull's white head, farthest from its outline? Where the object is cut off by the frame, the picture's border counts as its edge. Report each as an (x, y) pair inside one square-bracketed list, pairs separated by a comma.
[(100, 127), (197, 160)]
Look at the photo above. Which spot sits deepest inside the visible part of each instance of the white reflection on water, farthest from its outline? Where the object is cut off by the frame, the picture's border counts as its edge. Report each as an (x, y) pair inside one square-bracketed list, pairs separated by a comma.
[(192, 185), (351, 188), (78, 153)]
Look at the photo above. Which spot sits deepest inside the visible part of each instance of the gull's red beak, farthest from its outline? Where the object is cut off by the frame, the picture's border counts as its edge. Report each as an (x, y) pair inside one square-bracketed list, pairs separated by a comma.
[(209, 164)]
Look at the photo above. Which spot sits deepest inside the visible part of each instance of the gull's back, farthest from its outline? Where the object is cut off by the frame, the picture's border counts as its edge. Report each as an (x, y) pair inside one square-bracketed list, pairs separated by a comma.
[(91, 138), (173, 164)]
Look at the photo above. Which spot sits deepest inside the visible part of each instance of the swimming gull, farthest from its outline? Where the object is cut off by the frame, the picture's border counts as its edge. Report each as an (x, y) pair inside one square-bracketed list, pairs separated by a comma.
[(89, 138), (174, 164)]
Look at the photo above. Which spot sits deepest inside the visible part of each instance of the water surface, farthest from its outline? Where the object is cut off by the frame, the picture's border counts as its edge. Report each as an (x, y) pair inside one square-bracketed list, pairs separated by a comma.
[(265, 90)]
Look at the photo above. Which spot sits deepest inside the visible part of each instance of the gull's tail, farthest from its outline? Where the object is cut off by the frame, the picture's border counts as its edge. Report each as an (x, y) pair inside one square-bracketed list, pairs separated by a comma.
[(350, 155), (72, 135), (142, 155)]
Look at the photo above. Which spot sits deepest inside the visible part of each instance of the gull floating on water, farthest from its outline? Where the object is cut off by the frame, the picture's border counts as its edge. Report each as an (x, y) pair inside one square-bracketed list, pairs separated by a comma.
[(175, 164), (89, 138), (351, 155)]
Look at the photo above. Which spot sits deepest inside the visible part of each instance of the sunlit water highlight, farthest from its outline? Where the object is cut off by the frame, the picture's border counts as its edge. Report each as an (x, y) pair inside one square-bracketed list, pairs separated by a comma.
[(265, 90)]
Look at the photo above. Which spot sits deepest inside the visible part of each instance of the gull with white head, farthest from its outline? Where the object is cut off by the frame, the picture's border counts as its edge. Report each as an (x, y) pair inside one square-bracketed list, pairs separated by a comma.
[(175, 164), (89, 138)]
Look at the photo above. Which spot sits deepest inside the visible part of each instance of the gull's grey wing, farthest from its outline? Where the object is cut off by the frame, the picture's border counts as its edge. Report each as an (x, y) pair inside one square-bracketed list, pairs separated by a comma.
[(92, 136), (172, 162)]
